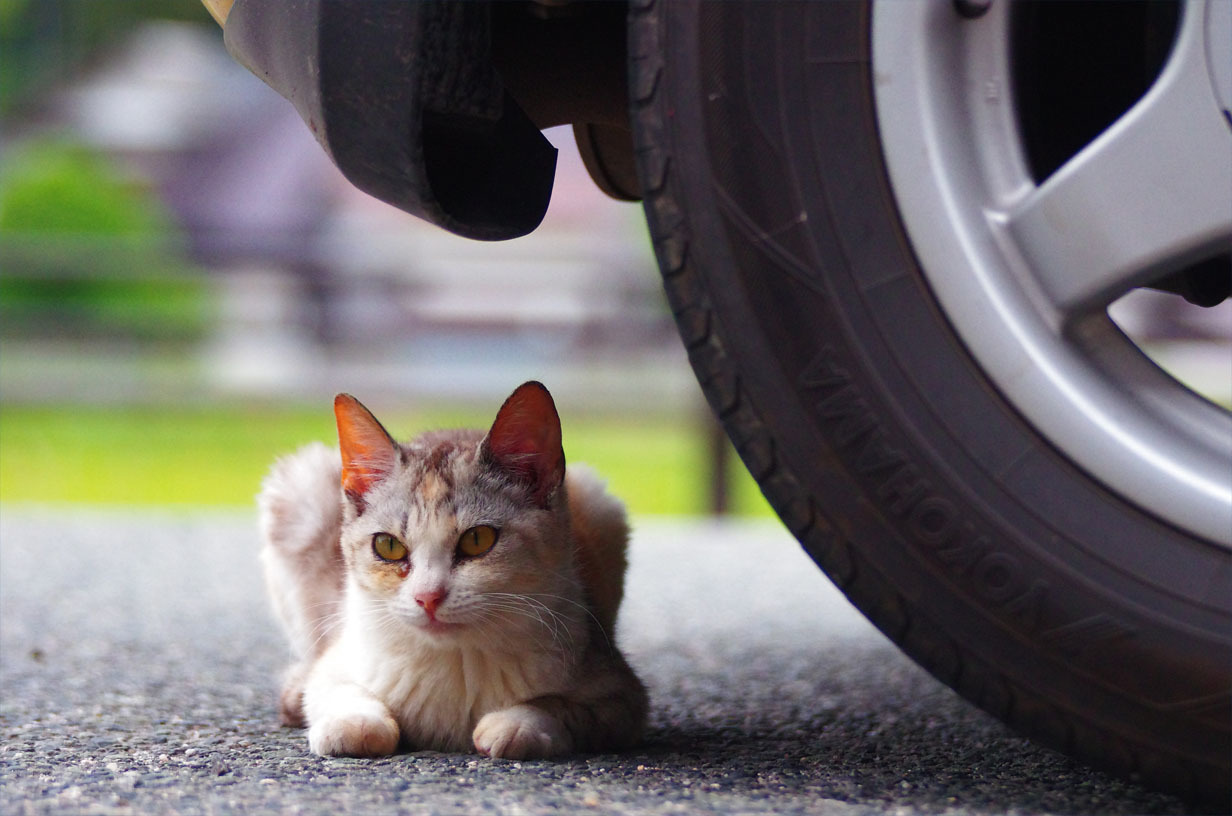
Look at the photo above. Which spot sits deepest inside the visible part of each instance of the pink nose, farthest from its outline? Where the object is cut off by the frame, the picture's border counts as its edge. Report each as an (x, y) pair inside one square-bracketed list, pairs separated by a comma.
[(430, 599)]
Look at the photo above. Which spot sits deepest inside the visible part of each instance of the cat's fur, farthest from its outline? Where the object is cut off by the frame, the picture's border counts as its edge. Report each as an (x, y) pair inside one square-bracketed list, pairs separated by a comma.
[(511, 653)]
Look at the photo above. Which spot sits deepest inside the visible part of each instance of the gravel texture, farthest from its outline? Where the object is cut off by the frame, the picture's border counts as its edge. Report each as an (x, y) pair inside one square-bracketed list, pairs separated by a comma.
[(138, 665)]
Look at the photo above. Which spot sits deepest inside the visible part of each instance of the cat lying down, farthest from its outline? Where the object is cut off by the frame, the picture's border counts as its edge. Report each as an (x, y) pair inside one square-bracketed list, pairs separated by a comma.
[(459, 591)]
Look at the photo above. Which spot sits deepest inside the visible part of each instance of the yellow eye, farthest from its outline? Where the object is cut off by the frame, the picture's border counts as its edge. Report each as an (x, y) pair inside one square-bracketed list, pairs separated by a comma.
[(477, 541), (388, 548)]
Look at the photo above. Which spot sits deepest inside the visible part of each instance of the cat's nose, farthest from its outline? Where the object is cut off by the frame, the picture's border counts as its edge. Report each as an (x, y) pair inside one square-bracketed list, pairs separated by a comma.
[(430, 599)]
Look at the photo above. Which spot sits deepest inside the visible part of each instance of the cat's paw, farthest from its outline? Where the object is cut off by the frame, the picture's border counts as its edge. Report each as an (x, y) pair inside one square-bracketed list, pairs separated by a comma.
[(291, 699), (356, 734), (291, 707), (521, 732)]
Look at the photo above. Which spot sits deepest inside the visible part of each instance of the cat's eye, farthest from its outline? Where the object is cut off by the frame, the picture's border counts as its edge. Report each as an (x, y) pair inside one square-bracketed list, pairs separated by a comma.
[(388, 548), (477, 541)]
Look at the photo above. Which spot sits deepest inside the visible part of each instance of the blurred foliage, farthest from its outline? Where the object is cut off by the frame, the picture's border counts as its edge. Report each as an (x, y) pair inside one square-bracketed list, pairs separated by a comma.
[(62, 188), (86, 253), (41, 41)]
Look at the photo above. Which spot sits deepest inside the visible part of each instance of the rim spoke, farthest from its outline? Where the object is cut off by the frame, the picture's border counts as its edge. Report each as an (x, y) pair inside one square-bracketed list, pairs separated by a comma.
[(1020, 270), (1131, 206)]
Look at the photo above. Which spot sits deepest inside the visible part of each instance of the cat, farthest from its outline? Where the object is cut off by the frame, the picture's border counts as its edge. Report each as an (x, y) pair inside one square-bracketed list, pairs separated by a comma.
[(453, 593)]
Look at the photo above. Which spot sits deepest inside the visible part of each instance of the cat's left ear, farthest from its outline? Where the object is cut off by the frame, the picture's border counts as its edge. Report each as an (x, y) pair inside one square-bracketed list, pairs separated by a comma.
[(369, 453), (525, 441)]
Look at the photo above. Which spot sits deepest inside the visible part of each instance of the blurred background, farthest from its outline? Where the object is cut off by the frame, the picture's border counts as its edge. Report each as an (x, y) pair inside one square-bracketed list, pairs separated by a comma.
[(186, 281)]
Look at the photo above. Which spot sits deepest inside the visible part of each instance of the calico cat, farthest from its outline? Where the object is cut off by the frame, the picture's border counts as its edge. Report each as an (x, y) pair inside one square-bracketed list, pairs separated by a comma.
[(456, 592)]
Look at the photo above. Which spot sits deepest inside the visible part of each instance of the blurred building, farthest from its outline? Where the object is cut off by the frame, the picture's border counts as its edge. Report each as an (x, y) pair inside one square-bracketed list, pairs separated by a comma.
[(322, 288)]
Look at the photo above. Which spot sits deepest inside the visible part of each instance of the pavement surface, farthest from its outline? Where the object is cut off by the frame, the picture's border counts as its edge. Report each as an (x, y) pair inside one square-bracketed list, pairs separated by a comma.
[(139, 664)]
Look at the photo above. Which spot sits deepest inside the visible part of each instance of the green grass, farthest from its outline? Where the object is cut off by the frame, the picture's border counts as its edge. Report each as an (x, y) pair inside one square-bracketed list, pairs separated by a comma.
[(216, 457)]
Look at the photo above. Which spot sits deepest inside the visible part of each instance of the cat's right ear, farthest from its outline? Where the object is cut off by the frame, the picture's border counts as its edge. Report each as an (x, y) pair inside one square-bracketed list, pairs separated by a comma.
[(525, 441), (369, 453)]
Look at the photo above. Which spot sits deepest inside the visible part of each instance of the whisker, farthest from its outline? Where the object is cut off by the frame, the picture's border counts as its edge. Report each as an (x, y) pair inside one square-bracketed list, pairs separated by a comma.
[(556, 624), (587, 610)]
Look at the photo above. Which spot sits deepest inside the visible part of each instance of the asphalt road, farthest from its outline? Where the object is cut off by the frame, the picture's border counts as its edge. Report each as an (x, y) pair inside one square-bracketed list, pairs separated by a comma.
[(138, 668)]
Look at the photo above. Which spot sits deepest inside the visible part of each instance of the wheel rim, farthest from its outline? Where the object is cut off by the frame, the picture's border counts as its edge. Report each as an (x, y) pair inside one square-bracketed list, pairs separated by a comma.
[(1025, 271)]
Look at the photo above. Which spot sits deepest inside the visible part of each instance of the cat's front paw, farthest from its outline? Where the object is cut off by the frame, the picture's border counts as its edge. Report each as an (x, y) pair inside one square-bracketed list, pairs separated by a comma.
[(521, 732), (358, 734)]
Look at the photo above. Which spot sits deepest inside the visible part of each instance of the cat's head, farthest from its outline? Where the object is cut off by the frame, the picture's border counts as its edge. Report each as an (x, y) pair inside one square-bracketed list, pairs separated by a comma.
[(458, 533)]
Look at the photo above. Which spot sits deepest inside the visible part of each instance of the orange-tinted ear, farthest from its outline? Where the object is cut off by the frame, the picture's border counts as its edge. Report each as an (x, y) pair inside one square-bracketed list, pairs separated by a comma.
[(525, 441), (368, 452)]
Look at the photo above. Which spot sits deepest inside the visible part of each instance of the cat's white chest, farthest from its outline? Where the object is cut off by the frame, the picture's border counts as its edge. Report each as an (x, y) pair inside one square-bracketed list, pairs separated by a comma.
[(438, 694)]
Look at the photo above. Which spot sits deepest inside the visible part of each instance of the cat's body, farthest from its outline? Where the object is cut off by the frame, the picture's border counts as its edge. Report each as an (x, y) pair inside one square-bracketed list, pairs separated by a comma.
[(459, 591)]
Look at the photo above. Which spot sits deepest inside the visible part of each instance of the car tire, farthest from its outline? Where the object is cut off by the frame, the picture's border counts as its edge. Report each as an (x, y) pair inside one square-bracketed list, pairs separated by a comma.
[(964, 534)]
